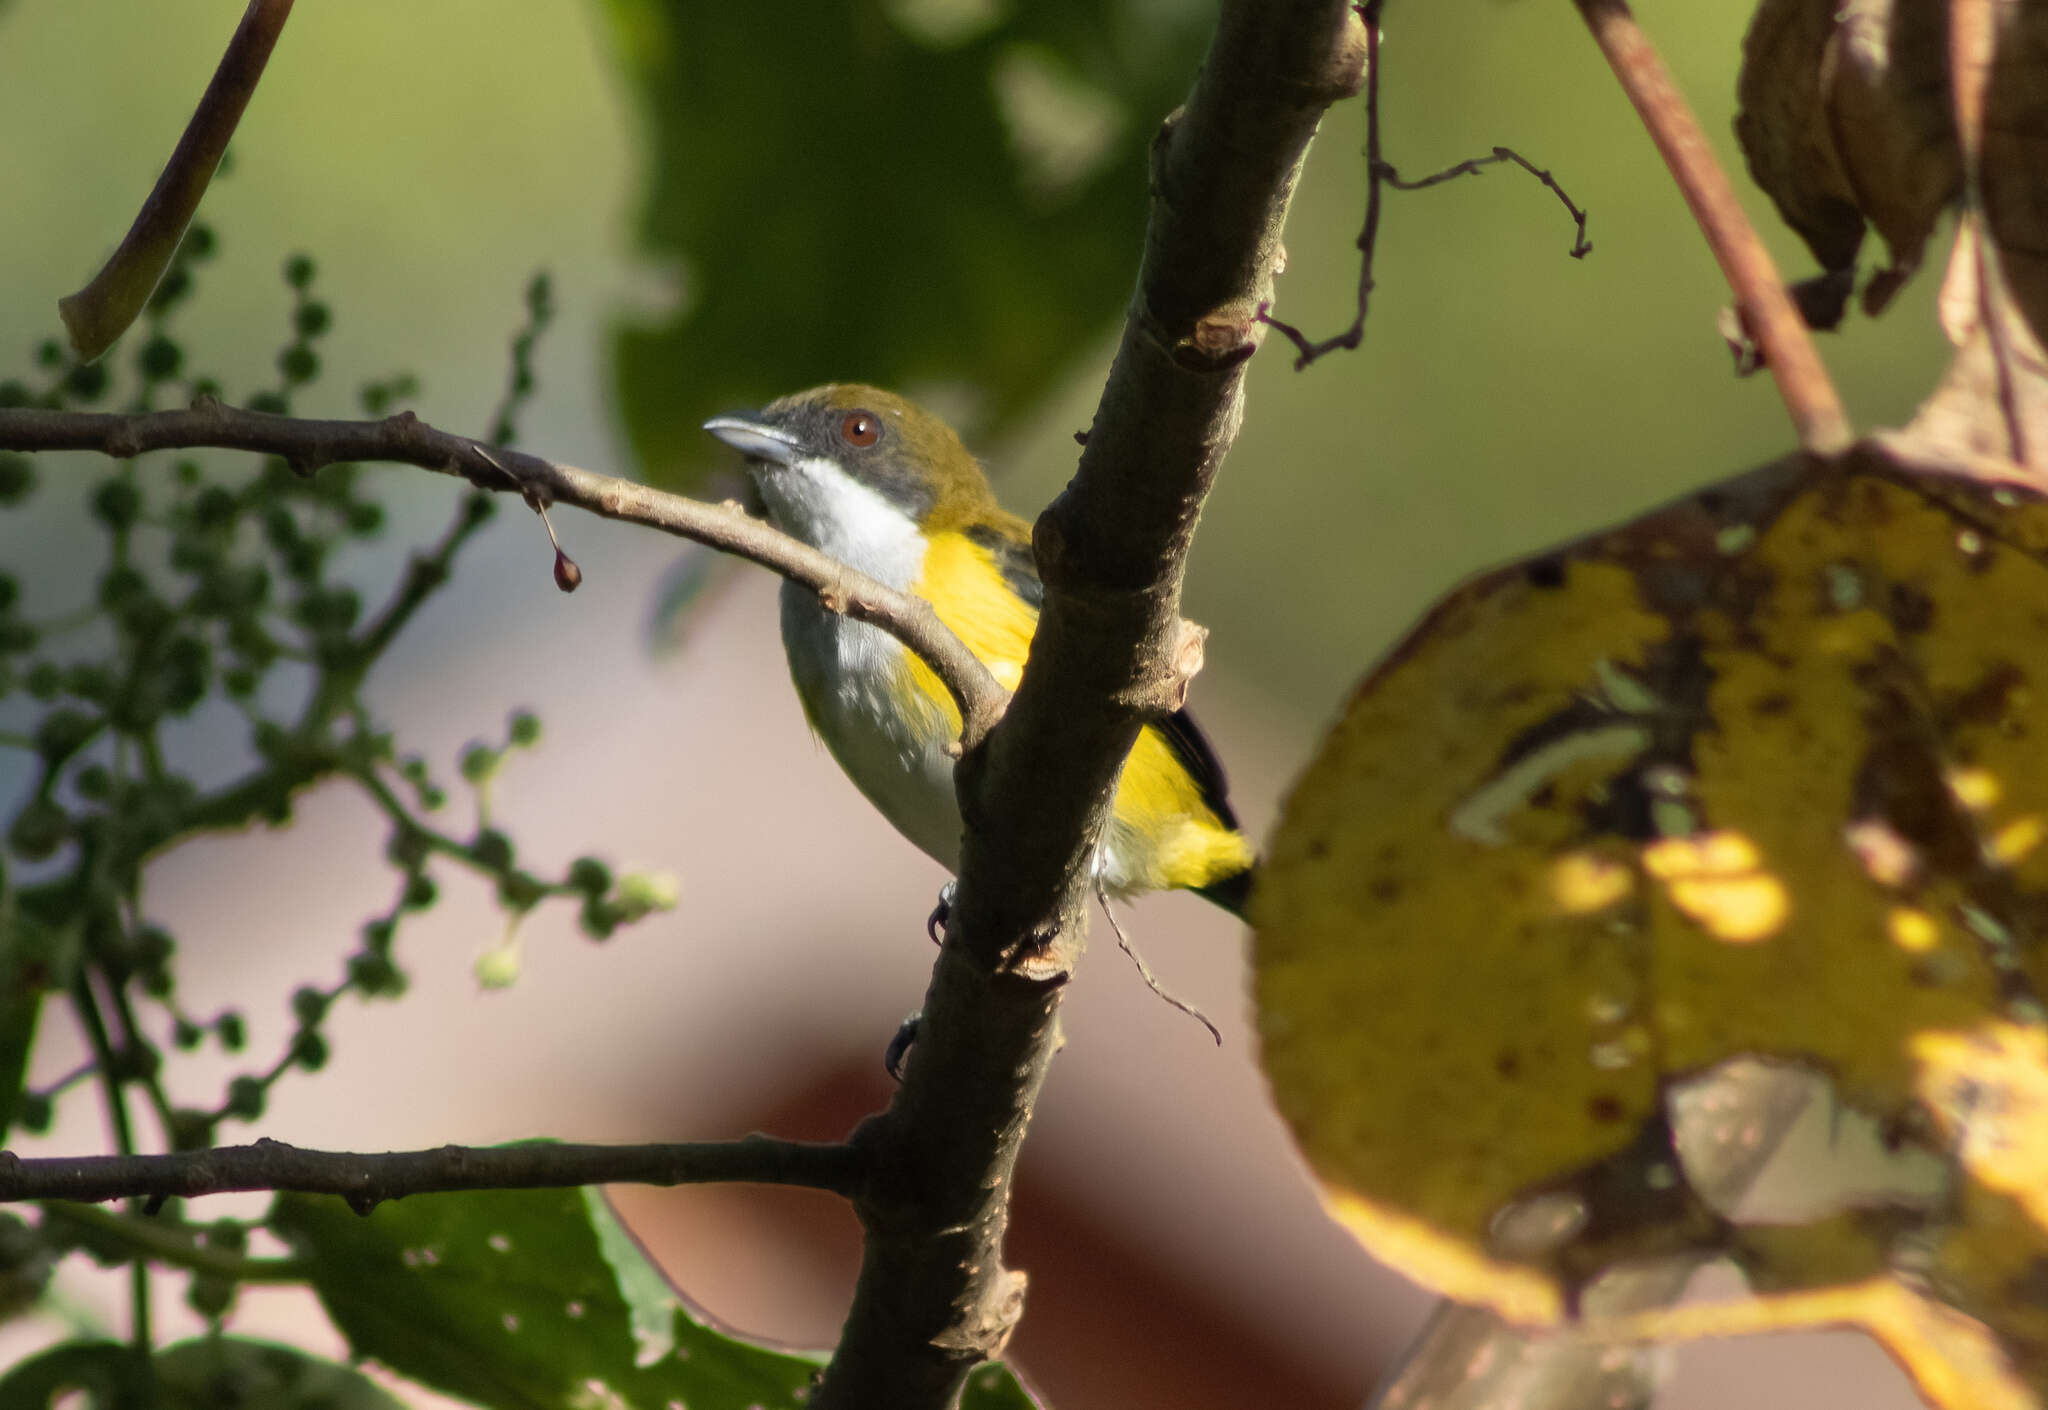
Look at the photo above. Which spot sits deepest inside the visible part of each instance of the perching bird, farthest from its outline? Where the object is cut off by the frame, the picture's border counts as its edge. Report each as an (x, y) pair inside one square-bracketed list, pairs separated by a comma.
[(887, 488)]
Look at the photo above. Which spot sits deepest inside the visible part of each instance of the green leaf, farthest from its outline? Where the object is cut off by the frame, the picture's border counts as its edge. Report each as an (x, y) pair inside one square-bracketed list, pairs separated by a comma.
[(526, 1300), (539, 1300), (107, 1372), (996, 1387), (937, 195), (210, 1372)]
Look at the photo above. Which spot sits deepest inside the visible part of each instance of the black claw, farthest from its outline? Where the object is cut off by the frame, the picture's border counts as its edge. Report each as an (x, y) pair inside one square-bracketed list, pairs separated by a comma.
[(935, 923), (899, 1046)]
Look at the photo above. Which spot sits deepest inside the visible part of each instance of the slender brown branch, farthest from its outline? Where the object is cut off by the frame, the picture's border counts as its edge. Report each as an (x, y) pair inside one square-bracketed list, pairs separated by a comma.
[(367, 1180), (1762, 301), (405, 439), (101, 312), (1111, 649)]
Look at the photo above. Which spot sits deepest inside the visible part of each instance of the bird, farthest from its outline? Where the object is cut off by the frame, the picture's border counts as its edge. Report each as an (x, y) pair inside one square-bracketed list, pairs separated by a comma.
[(888, 488)]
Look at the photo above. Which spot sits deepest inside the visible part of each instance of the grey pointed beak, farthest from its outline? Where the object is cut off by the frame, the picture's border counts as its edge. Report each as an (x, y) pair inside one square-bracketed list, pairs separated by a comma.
[(755, 440)]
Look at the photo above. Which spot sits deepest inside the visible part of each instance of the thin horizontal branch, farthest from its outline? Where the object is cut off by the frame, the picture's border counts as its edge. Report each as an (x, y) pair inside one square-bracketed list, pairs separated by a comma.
[(101, 311), (367, 1180), (406, 440)]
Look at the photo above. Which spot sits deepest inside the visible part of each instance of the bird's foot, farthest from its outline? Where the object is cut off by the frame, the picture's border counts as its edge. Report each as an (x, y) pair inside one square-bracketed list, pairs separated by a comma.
[(935, 923), (899, 1046)]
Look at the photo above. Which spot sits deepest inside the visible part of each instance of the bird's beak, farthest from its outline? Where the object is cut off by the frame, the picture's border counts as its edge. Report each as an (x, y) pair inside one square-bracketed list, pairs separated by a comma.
[(754, 439)]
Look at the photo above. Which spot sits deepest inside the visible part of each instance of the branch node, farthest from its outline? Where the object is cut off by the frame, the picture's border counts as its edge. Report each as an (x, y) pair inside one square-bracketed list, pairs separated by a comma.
[(1221, 339), (1189, 651)]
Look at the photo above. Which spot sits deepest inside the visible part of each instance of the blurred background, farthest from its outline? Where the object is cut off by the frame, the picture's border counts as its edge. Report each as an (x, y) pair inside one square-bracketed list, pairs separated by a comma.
[(942, 195)]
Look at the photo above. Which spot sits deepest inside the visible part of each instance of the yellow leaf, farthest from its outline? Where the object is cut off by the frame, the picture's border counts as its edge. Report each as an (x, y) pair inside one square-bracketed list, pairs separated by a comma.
[(1760, 776)]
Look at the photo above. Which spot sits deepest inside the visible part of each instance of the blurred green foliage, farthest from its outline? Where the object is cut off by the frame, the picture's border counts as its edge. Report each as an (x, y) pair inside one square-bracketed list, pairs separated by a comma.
[(940, 195)]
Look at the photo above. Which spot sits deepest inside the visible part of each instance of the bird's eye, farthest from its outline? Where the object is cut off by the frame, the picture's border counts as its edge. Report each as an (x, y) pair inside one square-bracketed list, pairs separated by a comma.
[(860, 428)]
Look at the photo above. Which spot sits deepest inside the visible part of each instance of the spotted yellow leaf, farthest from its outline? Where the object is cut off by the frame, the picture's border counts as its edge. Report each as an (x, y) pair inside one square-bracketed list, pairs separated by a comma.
[(1757, 784)]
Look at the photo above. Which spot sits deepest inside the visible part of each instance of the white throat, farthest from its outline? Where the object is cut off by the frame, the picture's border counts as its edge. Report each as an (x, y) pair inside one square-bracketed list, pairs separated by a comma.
[(827, 508)]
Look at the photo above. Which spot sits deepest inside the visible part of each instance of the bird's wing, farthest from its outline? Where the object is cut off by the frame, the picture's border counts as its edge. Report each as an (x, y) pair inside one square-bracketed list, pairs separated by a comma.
[(1011, 554), (1189, 745)]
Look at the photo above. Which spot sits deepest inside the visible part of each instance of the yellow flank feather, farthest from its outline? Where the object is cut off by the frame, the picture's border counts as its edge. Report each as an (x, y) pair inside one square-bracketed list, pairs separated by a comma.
[(1164, 831)]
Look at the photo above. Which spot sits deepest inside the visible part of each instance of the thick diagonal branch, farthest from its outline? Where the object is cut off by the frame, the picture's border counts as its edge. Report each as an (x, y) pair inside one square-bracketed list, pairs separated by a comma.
[(1111, 651)]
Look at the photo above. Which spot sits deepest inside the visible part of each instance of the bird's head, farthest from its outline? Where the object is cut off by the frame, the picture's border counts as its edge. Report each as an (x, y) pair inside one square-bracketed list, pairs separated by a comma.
[(852, 469)]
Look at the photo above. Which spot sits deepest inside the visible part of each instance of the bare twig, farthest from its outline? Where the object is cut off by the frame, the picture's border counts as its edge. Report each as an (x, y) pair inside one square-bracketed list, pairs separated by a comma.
[(405, 439), (1379, 174), (1474, 166), (1761, 299), (101, 312), (367, 1180), (1123, 942), (1376, 168)]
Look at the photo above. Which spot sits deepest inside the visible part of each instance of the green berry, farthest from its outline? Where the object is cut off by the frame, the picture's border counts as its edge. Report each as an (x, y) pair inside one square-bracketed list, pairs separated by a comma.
[(40, 828), (246, 1097), (479, 762), (590, 876), (374, 975), (33, 1112), (493, 849), (520, 892), (525, 730), (160, 359), (299, 271), (298, 363), (17, 477), (191, 1130), (309, 1005), (309, 1050), (87, 381), (117, 503)]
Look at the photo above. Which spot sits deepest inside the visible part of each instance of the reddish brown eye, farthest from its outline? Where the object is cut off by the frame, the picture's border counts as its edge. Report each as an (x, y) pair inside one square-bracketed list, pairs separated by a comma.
[(860, 428)]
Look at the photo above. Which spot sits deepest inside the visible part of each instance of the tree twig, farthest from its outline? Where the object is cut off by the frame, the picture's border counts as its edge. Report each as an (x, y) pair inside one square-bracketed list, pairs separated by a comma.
[(101, 311), (367, 1180), (405, 439), (1474, 166), (1380, 174), (1762, 301)]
